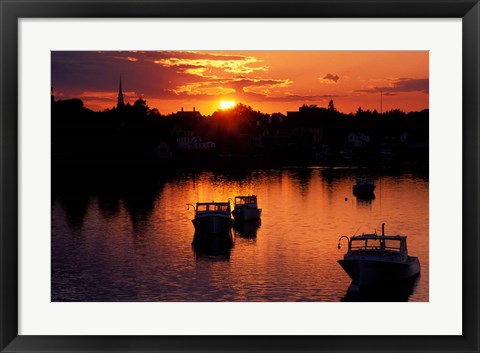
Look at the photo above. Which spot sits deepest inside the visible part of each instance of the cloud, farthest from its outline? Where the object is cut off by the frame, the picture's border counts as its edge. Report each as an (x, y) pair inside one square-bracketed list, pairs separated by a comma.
[(294, 98), (106, 96), (128, 58), (400, 85), (94, 77), (202, 88), (330, 78), (238, 86), (211, 65)]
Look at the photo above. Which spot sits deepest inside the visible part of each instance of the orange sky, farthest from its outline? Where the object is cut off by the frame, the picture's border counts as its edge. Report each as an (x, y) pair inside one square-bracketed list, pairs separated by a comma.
[(269, 81)]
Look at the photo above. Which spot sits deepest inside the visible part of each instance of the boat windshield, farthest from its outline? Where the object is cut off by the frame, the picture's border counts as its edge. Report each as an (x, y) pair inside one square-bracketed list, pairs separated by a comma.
[(213, 207), (245, 200), (221, 208), (376, 243), (202, 208)]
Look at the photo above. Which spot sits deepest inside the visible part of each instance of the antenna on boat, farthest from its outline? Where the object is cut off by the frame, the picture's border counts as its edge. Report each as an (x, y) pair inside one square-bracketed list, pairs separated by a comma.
[(383, 229)]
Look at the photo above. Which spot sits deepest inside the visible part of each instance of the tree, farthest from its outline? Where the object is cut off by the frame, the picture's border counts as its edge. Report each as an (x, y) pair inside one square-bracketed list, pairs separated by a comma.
[(141, 106), (331, 107)]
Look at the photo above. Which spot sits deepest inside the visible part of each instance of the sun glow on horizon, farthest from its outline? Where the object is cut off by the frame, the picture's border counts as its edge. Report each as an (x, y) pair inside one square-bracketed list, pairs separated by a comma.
[(224, 105)]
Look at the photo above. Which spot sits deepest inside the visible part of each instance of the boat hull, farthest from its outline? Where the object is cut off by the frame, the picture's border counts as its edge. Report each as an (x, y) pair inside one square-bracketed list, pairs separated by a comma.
[(213, 224), (372, 272), (246, 213)]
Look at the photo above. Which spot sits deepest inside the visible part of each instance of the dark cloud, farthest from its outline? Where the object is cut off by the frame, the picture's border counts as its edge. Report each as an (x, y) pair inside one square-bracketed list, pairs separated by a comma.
[(74, 72), (330, 78), (100, 99), (151, 56), (401, 85)]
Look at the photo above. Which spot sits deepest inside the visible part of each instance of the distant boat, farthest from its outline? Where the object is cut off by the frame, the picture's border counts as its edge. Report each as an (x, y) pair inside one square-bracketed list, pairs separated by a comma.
[(364, 188), (246, 208), (373, 259), (212, 217)]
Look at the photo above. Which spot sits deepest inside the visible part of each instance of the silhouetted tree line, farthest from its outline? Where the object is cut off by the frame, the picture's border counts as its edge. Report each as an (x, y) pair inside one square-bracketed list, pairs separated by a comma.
[(133, 134)]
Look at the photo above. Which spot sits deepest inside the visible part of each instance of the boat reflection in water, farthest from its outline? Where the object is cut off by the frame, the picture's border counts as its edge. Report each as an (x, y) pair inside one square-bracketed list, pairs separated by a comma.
[(214, 246), (366, 203), (394, 292), (247, 229)]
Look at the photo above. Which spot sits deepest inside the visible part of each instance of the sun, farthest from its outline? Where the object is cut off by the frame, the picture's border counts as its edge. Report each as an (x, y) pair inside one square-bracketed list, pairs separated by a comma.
[(224, 105)]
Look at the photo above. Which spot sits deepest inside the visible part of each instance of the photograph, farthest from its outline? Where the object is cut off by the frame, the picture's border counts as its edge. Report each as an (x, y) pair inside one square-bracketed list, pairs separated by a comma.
[(240, 176)]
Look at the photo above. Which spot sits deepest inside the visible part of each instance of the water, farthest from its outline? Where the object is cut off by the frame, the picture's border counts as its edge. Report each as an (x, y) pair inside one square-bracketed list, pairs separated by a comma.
[(129, 237)]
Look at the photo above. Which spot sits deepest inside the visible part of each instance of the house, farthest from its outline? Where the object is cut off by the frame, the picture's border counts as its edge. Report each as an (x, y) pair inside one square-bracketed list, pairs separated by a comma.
[(194, 114), (190, 140), (358, 140)]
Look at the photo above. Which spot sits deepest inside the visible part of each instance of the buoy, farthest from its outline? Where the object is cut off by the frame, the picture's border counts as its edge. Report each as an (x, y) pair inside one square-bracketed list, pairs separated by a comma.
[(346, 199)]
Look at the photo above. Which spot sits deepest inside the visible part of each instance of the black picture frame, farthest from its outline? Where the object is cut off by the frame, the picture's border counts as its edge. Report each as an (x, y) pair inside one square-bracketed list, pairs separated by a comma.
[(11, 11)]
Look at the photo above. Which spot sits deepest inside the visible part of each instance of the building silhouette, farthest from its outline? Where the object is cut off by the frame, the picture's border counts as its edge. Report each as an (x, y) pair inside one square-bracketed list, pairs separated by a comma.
[(120, 102)]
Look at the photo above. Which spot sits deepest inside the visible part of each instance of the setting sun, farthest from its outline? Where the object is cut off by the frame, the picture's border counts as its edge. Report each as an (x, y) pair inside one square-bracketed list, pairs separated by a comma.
[(226, 105)]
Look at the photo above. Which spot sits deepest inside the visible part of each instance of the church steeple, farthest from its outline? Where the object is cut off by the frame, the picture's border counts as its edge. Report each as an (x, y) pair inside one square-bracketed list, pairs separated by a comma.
[(120, 102)]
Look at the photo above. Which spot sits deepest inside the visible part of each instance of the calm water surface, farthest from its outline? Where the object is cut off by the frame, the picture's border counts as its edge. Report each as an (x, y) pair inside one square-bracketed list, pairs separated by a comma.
[(129, 238)]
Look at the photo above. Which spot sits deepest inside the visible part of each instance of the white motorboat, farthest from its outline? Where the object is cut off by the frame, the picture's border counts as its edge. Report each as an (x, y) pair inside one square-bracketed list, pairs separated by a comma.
[(246, 208), (212, 217), (372, 259)]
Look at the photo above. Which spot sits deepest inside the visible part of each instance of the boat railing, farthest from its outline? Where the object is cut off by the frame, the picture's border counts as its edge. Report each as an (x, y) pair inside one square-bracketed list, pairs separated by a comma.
[(210, 208), (376, 244), (223, 208)]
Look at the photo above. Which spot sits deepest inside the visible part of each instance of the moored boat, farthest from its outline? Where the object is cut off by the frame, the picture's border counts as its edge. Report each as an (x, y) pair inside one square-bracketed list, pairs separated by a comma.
[(364, 188), (372, 259), (246, 208), (212, 217)]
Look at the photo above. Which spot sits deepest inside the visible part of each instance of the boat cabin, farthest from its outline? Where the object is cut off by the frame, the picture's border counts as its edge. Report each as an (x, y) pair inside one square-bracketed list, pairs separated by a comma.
[(208, 208), (246, 200), (364, 181), (378, 244)]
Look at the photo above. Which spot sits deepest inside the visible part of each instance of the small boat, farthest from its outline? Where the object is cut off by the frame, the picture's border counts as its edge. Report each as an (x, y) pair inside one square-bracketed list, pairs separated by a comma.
[(212, 217), (372, 259), (364, 188), (246, 208)]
